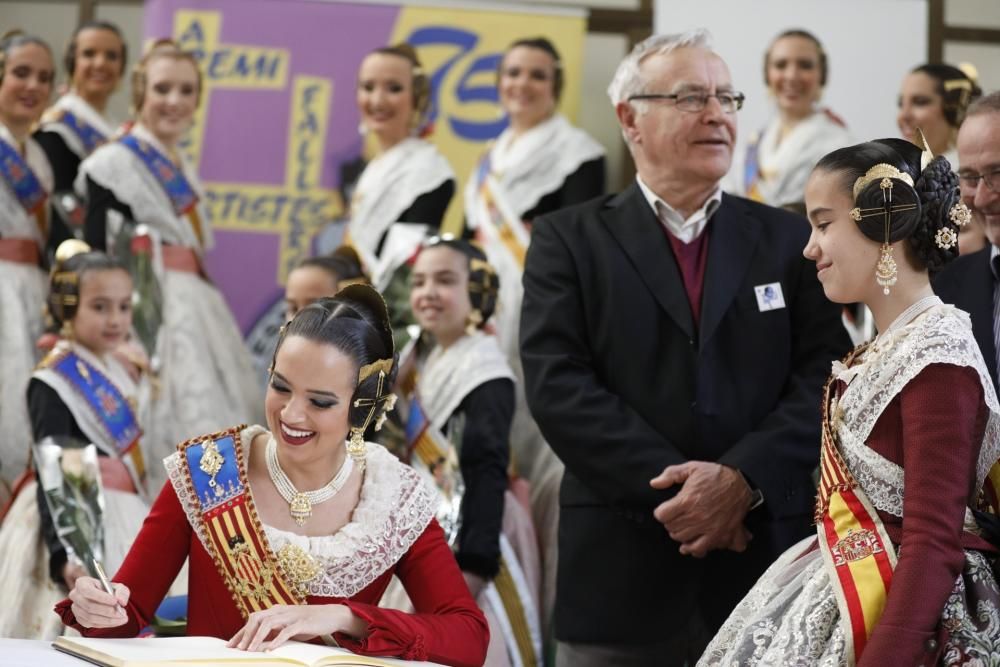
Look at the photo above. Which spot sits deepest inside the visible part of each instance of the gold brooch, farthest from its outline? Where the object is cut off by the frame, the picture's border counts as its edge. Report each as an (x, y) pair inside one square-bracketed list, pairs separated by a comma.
[(210, 464), (298, 566)]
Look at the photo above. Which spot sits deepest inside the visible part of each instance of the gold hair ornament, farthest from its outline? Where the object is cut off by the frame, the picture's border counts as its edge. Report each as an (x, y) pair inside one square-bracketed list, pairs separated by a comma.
[(882, 171), (886, 270)]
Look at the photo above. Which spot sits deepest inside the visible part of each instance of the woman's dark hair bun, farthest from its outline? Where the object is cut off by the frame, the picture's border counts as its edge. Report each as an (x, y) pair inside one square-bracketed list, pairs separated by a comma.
[(938, 191), (933, 194)]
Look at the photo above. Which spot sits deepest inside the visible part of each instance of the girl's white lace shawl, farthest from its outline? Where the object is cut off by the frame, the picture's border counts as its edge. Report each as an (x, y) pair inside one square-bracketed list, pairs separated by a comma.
[(115, 167), (940, 335), (394, 510), (449, 375)]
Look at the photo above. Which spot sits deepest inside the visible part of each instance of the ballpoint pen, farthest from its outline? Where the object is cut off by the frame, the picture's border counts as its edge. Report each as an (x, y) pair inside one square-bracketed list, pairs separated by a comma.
[(105, 583)]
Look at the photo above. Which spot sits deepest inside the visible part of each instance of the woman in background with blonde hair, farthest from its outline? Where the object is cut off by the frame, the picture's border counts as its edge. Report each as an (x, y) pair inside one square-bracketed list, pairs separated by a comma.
[(205, 377)]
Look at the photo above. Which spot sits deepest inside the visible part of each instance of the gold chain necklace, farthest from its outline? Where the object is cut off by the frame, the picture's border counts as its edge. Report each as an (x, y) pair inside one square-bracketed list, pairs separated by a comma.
[(300, 502)]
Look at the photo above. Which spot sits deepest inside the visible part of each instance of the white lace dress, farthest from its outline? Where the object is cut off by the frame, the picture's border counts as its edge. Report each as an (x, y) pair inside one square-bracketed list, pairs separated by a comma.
[(791, 616)]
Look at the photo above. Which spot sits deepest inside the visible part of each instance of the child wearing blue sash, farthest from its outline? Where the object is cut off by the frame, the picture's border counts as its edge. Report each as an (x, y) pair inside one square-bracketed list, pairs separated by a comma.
[(26, 72), (81, 390), (141, 183), (73, 127)]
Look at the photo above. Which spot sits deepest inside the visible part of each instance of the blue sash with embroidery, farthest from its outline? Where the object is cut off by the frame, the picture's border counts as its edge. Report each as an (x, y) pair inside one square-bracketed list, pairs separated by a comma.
[(180, 193), (103, 397), (215, 472), (89, 135), (16, 172)]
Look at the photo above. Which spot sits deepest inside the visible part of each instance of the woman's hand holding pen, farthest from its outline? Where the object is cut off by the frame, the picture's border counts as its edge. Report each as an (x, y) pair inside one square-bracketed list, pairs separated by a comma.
[(96, 608)]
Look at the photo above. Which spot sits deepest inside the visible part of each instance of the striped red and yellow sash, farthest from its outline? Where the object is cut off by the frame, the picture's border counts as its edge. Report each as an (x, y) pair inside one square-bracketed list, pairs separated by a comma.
[(857, 552), (215, 473)]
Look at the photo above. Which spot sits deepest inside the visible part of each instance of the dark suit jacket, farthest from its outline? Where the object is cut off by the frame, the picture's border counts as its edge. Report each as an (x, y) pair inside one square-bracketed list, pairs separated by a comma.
[(967, 282), (623, 383)]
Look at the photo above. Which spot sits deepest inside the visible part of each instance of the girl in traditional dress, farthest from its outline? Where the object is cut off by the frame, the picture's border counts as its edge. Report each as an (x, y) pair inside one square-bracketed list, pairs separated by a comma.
[(26, 73), (780, 158), (206, 380), (408, 180), (80, 390), (76, 124), (458, 426), (902, 570), (296, 530), (933, 99)]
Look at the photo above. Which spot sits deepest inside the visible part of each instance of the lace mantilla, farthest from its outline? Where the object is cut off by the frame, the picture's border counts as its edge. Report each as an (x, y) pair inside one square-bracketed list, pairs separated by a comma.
[(394, 510), (449, 375), (538, 163), (942, 334), (389, 185), (115, 167), (51, 122)]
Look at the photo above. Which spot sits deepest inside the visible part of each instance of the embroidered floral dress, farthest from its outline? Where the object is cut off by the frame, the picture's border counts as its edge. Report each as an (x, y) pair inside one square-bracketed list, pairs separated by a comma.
[(917, 424)]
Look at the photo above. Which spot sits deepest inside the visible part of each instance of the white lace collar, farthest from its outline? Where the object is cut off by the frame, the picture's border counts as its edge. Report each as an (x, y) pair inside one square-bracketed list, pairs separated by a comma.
[(389, 185), (449, 375), (15, 222), (115, 167), (80, 108), (536, 163), (394, 510), (939, 334)]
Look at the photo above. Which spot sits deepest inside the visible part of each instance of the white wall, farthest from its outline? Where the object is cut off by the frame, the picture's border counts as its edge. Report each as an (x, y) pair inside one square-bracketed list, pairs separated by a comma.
[(870, 46)]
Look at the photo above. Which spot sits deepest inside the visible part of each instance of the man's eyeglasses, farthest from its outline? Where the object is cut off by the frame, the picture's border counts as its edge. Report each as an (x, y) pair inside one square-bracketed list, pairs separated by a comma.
[(970, 182), (693, 102)]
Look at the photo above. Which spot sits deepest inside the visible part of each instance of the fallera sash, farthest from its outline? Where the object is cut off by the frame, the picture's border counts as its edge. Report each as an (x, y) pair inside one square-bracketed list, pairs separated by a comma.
[(433, 455), (857, 552), (88, 135), (114, 412), (180, 193), (215, 472), (15, 171), (499, 226)]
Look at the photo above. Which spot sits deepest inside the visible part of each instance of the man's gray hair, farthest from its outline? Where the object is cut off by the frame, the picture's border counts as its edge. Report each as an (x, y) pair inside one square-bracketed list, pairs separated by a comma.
[(985, 104), (628, 80)]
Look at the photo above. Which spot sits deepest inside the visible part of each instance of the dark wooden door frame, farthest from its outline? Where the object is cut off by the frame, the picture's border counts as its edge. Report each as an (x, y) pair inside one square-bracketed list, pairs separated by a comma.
[(938, 33)]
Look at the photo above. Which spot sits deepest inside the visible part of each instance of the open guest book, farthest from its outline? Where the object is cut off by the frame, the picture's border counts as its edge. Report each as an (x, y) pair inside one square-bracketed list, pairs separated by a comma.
[(205, 651)]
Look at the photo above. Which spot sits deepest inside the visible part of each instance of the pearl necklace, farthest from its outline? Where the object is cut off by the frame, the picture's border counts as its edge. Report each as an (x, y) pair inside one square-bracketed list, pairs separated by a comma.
[(300, 502), (884, 340)]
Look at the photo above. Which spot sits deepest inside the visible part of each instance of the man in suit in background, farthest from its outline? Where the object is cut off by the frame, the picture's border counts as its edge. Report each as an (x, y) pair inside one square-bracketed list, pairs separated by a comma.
[(675, 343), (972, 282)]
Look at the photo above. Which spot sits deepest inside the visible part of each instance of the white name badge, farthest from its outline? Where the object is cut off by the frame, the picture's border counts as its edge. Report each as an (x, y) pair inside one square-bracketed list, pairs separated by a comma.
[(769, 297)]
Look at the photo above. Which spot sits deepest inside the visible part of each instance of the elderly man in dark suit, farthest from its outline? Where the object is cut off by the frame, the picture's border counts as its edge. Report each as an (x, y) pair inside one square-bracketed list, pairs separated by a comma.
[(675, 343), (972, 282)]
